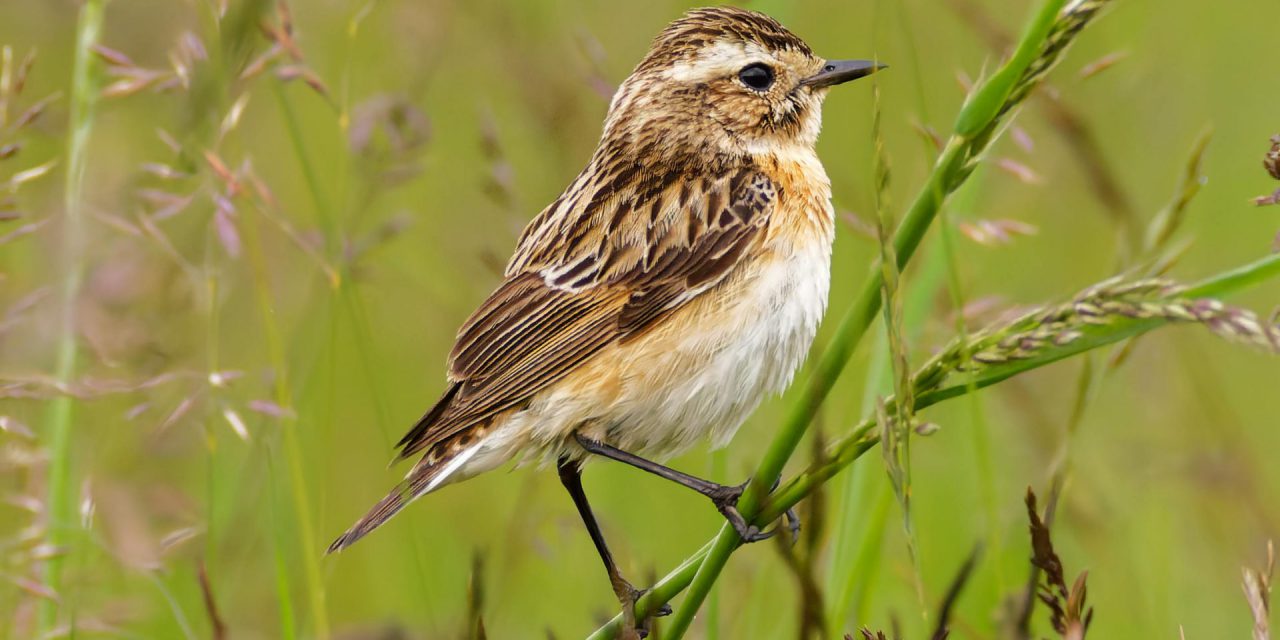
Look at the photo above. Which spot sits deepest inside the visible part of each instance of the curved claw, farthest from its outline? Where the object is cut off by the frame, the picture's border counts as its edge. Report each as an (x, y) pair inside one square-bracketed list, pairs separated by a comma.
[(642, 628), (793, 524), (726, 501), (641, 625), (663, 610)]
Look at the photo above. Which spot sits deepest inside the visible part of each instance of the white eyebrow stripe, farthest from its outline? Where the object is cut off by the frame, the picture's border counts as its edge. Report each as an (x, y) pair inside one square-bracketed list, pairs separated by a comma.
[(718, 59)]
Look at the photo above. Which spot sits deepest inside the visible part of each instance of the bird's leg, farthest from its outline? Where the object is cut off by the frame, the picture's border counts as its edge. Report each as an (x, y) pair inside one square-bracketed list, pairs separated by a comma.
[(571, 478), (725, 497)]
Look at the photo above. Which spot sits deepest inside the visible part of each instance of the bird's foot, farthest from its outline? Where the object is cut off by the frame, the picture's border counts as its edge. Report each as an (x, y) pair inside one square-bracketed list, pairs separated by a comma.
[(725, 497), (628, 596)]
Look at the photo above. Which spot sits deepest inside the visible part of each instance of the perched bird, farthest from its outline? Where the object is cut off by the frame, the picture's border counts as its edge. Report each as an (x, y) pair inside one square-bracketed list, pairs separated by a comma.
[(677, 281)]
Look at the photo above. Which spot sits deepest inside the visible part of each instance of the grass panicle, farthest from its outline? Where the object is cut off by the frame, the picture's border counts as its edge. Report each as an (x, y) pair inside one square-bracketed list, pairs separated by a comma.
[(947, 375), (1271, 162), (1069, 611)]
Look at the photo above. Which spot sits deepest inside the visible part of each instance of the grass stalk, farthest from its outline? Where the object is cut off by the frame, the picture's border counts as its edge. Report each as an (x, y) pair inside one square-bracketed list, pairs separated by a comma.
[(343, 285), (284, 590), (61, 502), (852, 526), (328, 221), (717, 465), (289, 427), (1049, 34), (861, 489), (897, 426), (980, 427)]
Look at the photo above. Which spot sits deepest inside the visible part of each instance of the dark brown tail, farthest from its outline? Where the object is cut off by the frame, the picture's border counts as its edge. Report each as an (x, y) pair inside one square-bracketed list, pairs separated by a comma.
[(423, 479)]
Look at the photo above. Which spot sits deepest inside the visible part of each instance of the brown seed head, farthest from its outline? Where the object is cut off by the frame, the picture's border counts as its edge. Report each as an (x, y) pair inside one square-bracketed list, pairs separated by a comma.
[(1272, 159)]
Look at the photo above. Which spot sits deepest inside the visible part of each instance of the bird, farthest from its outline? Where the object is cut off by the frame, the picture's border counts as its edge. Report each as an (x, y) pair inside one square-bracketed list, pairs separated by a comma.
[(677, 281)]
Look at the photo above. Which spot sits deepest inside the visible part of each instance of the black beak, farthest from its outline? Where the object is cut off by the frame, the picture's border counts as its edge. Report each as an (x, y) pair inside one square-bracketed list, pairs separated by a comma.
[(840, 71)]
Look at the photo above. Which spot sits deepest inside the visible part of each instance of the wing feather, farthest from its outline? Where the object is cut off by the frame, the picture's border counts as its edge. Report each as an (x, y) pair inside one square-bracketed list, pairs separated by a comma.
[(587, 276)]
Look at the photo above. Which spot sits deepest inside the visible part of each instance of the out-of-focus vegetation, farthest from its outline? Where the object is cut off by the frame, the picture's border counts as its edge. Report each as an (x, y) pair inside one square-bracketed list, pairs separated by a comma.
[(284, 215)]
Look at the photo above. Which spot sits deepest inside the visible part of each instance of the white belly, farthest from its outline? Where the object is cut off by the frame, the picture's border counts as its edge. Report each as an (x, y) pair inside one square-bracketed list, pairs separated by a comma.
[(754, 352)]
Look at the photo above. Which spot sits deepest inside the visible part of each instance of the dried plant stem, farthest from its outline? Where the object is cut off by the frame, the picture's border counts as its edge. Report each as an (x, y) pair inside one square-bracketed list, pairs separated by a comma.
[(931, 390), (61, 501), (978, 123)]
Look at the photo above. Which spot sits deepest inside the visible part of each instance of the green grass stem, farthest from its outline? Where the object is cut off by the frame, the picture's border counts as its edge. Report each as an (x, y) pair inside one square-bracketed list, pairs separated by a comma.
[(289, 428), (865, 436), (61, 503), (978, 125)]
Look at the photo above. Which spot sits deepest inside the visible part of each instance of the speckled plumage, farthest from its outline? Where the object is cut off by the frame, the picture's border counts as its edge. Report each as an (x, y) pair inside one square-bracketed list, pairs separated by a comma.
[(677, 281)]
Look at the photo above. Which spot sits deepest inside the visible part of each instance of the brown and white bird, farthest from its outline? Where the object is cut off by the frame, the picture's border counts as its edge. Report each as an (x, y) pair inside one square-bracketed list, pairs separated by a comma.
[(676, 282)]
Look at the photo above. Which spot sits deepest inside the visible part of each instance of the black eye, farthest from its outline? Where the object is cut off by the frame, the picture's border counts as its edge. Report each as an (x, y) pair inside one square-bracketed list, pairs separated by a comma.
[(757, 76)]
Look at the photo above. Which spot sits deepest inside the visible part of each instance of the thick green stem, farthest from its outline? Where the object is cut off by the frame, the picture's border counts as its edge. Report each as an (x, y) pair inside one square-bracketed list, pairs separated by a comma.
[(852, 328), (864, 436), (974, 132), (61, 501)]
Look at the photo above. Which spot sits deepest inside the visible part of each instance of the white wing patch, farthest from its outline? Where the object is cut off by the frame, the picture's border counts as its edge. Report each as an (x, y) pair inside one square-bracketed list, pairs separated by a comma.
[(451, 468)]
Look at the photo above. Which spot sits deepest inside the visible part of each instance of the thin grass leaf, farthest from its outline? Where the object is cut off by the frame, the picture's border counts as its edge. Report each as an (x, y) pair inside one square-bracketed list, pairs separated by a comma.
[(1102, 64), (896, 428), (1171, 217), (984, 105)]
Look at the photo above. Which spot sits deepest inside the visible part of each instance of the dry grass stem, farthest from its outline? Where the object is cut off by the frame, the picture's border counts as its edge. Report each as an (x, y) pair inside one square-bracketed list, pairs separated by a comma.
[(1069, 611), (1271, 162), (218, 628), (1257, 591)]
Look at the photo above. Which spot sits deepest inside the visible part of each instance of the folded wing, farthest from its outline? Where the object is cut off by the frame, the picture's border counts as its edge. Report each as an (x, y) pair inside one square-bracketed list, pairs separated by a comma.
[(603, 264)]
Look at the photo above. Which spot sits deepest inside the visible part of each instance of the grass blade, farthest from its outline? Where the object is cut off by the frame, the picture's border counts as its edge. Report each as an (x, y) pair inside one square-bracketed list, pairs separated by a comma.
[(61, 495)]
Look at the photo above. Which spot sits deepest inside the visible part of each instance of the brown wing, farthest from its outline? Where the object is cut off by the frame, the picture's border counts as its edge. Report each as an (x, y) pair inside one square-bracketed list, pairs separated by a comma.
[(602, 264)]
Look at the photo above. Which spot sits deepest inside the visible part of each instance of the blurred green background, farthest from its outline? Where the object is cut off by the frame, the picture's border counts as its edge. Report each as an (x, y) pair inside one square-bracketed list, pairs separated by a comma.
[(433, 132)]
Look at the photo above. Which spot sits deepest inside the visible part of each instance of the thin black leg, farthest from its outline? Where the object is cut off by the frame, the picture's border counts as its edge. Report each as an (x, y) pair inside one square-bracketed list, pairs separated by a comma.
[(725, 497), (571, 478)]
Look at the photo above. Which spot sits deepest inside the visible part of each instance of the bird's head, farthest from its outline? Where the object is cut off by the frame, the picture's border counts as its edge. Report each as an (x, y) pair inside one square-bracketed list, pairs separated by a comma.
[(725, 81)]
